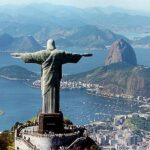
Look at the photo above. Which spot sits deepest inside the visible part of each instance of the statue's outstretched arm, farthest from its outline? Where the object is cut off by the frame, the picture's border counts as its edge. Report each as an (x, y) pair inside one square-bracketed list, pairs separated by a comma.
[(86, 55), (34, 57), (68, 57), (16, 55)]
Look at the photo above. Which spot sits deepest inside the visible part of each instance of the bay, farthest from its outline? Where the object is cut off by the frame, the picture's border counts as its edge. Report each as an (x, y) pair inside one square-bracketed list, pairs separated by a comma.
[(20, 102)]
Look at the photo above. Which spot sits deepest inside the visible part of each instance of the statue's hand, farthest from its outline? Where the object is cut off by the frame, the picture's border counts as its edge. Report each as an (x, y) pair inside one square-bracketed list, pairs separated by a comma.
[(87, 55), (16, 55)]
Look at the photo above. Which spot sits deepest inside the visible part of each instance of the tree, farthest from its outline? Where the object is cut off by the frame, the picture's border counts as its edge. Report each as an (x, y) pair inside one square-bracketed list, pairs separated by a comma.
[(6, 140)]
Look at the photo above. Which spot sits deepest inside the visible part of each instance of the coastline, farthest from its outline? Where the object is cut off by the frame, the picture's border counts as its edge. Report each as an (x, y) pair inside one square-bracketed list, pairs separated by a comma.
[(36, 84), (116, 98), (8, 78), (67, 85), (96, 90)]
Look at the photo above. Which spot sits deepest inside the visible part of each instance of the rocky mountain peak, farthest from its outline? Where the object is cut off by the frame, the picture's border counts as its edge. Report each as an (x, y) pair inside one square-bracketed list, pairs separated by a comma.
[(5, 39), (121, 51), (23, 43)]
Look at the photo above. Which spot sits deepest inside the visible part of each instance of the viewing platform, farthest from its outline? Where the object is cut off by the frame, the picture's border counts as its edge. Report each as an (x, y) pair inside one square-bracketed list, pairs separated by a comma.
[(27, 137)]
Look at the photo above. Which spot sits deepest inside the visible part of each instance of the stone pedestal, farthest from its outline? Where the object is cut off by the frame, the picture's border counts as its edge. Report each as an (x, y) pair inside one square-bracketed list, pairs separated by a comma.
[(51, 123)]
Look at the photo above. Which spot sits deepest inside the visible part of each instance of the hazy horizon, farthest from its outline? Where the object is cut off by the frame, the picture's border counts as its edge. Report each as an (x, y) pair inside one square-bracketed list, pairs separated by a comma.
[(125, 4)]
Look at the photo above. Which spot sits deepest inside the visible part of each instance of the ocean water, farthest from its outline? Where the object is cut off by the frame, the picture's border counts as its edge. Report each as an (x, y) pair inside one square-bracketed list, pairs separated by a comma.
[(21, 102)]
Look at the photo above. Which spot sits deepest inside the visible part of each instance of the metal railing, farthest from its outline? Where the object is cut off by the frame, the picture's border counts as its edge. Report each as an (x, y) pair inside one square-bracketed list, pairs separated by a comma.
[(76, 141), (28, 144)]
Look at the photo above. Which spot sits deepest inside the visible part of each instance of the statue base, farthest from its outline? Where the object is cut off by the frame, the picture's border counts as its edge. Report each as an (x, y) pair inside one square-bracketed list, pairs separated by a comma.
[(51, 123)]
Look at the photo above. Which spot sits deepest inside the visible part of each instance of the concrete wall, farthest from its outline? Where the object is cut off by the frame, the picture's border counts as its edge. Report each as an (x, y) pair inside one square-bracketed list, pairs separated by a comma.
[(21, 145), (29, 140)]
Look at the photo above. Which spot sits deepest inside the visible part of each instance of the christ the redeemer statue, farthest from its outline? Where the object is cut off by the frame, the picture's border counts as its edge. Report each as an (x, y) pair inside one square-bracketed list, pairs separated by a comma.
[(51, 61)]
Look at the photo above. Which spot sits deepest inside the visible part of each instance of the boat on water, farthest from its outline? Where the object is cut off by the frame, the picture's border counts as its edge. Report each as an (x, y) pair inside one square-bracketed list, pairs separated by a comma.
[(1, 113)]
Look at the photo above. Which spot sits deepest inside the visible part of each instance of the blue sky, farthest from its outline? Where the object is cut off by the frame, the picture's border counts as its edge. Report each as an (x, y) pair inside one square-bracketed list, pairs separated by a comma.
[(128, 4)]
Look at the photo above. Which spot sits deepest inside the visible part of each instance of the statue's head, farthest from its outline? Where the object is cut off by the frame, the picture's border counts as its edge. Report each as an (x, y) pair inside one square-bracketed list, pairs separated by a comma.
[(51, 44)]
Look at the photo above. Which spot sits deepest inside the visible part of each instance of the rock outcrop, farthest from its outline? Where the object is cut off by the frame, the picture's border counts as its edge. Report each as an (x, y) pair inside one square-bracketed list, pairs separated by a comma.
[(121, 51), (15, 72), (118, 78), (121, 75)]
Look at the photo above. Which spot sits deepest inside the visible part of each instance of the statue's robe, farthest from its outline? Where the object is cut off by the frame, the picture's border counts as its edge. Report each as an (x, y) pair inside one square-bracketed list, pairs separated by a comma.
[(51, 62)]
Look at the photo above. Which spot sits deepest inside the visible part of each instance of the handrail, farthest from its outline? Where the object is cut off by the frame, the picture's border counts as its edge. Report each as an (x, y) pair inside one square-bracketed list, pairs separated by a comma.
[(29, 144), (24, 126), (33, 147), (77, 140)]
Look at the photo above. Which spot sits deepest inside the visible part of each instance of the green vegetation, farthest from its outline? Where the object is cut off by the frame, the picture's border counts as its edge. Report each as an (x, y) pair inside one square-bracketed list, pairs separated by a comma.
[(32, 120), (113, 75), (7, 141), (7, 137), (15, 126), (17, 72), (145, 73), (139, 123), (88, 144), (67, 121), (118, 78), (138, 132)]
